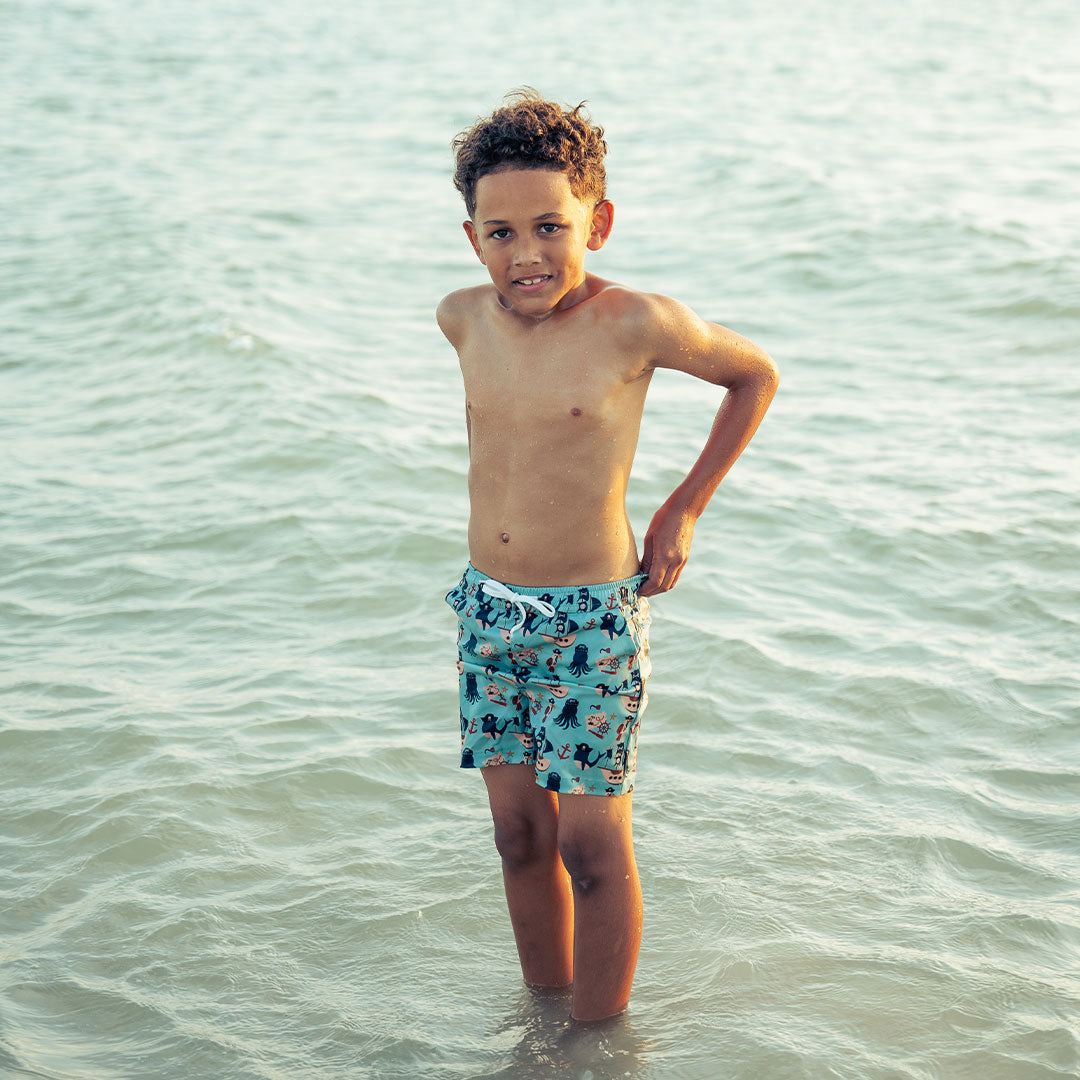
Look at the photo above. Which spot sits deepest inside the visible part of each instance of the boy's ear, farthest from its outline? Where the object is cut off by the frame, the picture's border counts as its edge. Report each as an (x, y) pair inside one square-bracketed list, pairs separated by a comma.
[(603, 218), (470, 229)]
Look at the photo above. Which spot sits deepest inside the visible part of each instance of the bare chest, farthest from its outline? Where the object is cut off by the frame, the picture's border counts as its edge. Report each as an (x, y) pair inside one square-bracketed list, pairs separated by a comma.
[(548, 382), (551, 395)]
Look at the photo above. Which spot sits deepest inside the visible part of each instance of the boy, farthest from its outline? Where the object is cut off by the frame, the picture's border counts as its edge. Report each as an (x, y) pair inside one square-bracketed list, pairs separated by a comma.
[(552, 665)]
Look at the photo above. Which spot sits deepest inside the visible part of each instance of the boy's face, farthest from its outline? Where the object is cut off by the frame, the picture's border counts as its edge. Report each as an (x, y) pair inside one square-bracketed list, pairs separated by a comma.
[(531, 232)]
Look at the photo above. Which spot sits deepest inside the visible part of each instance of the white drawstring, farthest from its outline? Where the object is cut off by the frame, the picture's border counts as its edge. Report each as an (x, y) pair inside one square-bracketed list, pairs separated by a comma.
[(497, 588)]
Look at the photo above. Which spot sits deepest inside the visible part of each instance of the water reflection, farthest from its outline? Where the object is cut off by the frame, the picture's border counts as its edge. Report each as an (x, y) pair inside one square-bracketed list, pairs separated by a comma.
[(551, 1042)]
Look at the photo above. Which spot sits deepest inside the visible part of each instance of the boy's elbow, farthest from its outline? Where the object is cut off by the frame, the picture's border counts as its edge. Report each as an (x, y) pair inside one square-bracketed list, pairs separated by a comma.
[(765, 375), (770, 373)]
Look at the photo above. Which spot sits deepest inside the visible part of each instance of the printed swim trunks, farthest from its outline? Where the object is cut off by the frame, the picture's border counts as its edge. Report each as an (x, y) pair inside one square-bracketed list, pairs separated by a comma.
[(553, 677)]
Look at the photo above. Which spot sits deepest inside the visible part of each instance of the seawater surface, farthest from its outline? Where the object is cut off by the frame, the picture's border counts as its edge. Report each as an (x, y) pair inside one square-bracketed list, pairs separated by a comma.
[(234, 842)]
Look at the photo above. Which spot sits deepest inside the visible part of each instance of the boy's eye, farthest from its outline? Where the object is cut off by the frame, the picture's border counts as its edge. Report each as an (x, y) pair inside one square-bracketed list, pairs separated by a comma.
[(500, 234), (549, 227)]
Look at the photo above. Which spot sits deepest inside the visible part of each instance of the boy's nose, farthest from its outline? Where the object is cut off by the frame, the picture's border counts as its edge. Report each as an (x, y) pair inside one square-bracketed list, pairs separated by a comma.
[(526, 254)]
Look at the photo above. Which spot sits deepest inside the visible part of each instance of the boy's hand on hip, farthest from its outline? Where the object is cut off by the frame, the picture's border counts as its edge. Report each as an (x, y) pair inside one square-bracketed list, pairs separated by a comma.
[(666, 548)]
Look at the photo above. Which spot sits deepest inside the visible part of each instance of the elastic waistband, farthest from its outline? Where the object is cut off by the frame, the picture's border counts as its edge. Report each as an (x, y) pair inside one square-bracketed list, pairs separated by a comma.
[(599, 590)]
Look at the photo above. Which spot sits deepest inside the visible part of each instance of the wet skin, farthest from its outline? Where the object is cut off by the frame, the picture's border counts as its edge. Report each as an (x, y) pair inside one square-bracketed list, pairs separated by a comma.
[(556, 364)]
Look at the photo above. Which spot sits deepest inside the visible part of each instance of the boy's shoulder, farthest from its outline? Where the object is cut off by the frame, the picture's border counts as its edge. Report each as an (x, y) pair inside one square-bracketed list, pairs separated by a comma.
[(626, 302), (457, 308), (640, 314), (465, 299)]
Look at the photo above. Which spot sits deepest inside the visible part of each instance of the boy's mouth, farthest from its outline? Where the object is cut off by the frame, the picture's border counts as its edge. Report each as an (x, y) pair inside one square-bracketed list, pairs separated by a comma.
[(532, 282)]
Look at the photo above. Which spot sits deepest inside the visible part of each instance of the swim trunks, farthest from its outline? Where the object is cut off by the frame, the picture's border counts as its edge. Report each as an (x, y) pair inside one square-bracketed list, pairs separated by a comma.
[(553, 677)]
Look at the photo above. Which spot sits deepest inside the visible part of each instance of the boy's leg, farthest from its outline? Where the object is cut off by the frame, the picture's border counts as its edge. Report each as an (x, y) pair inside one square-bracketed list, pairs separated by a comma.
[(597, 849), (537, 887)]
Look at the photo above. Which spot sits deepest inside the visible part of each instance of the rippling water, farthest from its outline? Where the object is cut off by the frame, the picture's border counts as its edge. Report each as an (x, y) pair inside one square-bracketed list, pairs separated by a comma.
[(234, 842)]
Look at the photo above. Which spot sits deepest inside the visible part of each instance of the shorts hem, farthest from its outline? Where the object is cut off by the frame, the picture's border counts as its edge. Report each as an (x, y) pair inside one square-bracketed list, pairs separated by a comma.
[(463, 764), (609, 791)]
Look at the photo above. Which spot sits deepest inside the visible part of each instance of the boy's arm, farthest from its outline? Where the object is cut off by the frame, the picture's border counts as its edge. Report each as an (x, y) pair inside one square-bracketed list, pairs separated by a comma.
[(450, 315), (678, 339)]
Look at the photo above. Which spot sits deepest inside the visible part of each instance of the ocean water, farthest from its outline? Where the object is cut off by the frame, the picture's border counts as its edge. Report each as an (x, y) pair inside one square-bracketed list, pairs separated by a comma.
[(234, 842)]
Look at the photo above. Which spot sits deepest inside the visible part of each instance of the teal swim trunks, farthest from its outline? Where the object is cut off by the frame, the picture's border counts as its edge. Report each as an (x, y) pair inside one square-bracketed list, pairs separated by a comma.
[(553, 677)]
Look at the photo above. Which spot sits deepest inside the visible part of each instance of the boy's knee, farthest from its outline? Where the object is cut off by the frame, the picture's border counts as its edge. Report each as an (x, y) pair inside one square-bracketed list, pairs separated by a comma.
[(519, 841), (585, 862)]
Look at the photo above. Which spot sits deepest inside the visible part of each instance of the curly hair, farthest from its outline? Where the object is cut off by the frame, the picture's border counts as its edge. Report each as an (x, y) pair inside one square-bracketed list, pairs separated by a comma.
[(532, 133)]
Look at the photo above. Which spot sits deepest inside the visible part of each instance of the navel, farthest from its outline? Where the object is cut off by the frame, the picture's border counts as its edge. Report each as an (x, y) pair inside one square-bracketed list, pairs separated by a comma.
[(505, 538)]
